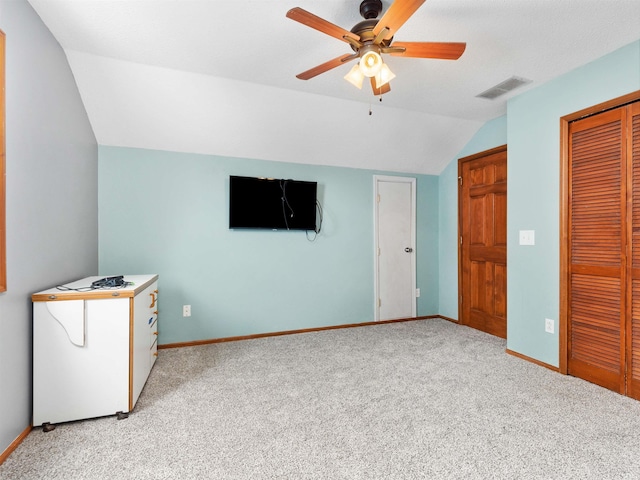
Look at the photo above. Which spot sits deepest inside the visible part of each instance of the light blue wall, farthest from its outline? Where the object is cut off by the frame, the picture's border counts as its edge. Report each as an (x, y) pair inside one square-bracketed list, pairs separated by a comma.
[(167, 213), (492, 134), (52, 206), (427, 242), (534, 185), (531, 129)]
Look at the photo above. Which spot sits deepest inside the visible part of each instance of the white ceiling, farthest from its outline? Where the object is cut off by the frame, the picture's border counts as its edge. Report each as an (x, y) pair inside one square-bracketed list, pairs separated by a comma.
[(218, 77)]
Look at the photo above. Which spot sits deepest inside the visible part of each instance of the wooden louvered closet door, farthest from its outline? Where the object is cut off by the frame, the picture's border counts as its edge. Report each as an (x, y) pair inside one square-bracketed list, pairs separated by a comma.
[(604, 260), (633, 326)]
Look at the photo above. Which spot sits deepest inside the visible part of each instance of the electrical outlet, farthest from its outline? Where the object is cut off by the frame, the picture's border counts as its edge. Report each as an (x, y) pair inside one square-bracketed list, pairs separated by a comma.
[(186, 310), (549, 325)]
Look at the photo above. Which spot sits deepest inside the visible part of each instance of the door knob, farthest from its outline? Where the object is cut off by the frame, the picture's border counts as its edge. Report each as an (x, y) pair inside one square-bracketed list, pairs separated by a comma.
[(408, 249)]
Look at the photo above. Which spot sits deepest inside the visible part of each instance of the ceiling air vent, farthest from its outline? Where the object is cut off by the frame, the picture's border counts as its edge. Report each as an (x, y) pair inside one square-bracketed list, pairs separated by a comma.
[(503, 87)]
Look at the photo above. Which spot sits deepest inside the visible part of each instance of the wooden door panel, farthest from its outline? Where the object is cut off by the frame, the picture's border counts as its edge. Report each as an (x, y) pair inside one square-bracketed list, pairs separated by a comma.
[(496, 319), (500, 173), (500, 228), (597, 197), (477, 278), (489, 254), (500, 293), (488, 302), (482, 218), (478, 208), (596, 317), (477, 175)]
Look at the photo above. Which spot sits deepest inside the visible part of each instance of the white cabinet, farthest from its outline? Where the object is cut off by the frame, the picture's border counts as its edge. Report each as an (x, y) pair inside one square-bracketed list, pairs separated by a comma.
[(92, 350)]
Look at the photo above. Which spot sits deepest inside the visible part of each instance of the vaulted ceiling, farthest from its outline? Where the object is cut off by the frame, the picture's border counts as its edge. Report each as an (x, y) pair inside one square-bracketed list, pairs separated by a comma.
[(218, 76)]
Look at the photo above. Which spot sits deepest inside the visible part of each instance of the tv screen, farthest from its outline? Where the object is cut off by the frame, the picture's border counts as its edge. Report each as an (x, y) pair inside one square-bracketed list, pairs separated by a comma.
[(270, 203)]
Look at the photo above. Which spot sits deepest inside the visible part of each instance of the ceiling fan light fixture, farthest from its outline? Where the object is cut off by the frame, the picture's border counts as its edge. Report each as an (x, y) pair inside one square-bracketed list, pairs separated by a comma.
[(384, 76), (355, 77), (371, 38), (370, 61)]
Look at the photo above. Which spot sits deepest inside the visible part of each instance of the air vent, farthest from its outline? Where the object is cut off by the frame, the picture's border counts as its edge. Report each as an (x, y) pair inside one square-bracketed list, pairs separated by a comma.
[(503, 87)]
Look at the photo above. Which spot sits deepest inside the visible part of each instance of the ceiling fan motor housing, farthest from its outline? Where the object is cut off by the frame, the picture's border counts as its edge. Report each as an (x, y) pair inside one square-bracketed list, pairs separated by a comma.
[(370, 8)]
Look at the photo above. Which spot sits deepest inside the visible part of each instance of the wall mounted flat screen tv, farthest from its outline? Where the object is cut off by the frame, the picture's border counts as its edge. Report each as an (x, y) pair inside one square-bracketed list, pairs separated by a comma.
[(271, 203)]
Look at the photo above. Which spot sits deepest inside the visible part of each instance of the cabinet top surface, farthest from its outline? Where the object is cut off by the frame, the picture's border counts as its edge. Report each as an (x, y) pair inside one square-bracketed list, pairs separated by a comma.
[(81, 289)]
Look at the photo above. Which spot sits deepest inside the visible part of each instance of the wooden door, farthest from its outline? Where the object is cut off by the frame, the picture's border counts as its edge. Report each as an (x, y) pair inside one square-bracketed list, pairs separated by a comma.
[(633, 311), (483, 241), (603, 291), (597, 231)]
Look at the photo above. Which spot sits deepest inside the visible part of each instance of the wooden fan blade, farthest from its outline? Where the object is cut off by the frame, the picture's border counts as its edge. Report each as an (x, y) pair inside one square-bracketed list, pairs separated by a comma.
[(320, 24), (442, 50), (379, 91), (336, 62), (398, 13)]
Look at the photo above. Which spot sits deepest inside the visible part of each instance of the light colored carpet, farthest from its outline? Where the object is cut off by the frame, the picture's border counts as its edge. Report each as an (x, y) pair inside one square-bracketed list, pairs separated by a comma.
[(423, 399)]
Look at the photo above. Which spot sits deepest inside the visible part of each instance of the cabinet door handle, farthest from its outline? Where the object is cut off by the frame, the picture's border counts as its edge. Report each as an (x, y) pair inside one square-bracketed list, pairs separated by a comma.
[(153, 300)]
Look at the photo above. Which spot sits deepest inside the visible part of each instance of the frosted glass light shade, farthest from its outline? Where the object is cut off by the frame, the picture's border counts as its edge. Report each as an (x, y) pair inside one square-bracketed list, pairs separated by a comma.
[(384, 76), (355, 76), (370, 63)]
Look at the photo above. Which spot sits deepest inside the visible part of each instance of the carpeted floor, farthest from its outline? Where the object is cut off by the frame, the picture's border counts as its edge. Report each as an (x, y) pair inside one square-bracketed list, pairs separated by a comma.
[(425, 399)]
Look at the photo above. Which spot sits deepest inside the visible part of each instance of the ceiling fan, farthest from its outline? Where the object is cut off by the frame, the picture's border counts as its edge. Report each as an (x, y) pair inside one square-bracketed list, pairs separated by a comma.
[(371, 38)]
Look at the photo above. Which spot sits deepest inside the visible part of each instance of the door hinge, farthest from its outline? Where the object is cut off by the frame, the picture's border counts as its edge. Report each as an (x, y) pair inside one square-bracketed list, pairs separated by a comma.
[(378, 198), (379, 303), (460, 180), (378, 251), (460, 239), (460, 298)]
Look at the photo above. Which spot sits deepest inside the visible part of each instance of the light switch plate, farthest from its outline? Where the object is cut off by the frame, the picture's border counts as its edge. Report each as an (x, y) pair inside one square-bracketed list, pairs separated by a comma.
[(527, 237)]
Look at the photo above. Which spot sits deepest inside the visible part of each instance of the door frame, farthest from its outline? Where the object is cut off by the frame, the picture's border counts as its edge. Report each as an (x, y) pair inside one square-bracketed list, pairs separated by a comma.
[(565, 204), (377, 179)]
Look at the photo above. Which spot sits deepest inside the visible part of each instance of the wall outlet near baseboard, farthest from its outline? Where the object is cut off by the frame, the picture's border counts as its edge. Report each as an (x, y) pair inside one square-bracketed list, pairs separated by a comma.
[(186, 310), (549, 325)]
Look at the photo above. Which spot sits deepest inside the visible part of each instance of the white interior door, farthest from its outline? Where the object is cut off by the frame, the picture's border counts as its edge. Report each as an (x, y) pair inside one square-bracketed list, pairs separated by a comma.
[(395, 266)]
